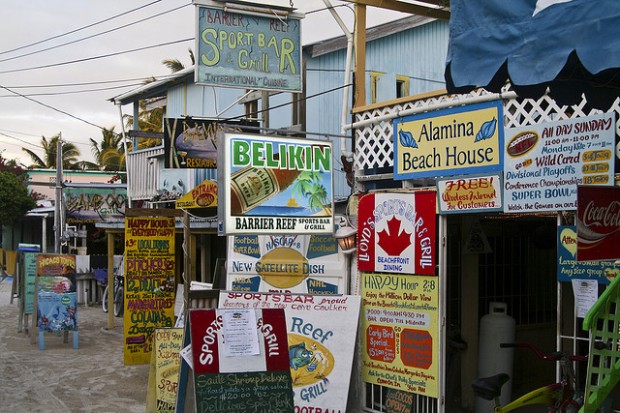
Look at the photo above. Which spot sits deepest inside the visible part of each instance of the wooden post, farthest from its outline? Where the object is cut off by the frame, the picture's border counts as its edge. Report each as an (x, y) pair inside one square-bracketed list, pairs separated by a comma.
[(110, 280), (359, 97)]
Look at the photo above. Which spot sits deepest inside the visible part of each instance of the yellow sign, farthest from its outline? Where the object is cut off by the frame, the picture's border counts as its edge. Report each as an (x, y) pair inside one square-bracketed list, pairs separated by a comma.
[(401, 332), (202, 196), (463, 140), (149, 283)]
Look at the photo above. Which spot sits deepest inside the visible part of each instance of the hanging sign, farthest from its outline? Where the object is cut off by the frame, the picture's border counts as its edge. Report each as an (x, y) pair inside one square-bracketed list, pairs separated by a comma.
[(598, 223), (462, 140), (248, 51), (469, 194), (275, 185), (545, 163), (396, 232)]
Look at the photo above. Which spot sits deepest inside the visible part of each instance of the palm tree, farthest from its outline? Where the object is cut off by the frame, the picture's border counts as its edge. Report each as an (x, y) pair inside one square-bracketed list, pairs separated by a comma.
[(310, 185), (175, 65), (109, 153), (70, 155)]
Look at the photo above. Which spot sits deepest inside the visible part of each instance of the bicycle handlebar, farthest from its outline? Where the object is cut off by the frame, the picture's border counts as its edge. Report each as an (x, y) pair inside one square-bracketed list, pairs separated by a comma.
[(555, 356)]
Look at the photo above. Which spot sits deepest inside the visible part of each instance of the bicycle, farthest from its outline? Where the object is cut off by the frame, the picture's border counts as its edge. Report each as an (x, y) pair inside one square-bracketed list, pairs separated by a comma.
[(119, 296), (560, 397)]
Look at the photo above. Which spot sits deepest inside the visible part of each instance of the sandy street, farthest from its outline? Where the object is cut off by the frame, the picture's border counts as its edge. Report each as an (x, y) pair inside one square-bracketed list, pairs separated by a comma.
[(60, 378)]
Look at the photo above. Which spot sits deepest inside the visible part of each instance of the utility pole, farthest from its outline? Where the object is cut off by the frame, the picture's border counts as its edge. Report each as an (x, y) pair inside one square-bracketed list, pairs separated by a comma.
[(58, 221)]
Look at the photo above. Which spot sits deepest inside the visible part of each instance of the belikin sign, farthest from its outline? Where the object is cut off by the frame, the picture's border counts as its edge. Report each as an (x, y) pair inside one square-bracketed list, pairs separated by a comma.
[(598, 222), (396, 233)]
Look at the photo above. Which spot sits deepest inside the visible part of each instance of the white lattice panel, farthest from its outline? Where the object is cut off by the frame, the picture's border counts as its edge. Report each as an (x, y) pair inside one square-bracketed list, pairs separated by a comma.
[(374, 141)]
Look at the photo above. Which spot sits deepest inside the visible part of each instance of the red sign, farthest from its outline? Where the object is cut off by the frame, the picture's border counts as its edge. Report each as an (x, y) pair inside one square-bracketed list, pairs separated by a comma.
[(396, 233), (381, 343), (416, 348), (598, 223)]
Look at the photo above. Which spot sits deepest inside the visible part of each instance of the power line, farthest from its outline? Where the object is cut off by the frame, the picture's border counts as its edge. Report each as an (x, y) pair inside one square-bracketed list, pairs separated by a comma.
[(98, 82), (72, 92), (96, 57), (53, 108), (94, 35), (79, 29)]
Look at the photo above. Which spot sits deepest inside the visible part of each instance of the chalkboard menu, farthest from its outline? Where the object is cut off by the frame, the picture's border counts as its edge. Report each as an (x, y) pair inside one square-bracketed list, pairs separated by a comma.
[(398, 401), (241, 361)]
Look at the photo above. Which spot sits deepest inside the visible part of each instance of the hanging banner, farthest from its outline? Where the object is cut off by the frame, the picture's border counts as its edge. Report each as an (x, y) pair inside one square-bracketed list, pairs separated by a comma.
[(396, 232), (307, 264), (275, 185), (401, 332), (468, 194), (598, 223), (545, 163), (251, 381), (249, 51), (149, 283), (457, 141), (321, 342)]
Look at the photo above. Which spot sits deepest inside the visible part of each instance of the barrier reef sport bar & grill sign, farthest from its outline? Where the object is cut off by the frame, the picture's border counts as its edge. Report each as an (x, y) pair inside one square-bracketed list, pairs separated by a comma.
[(275, 185)]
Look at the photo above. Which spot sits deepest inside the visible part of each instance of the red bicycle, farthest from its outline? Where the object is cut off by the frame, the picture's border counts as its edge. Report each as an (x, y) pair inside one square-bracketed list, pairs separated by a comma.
[(560, 397)]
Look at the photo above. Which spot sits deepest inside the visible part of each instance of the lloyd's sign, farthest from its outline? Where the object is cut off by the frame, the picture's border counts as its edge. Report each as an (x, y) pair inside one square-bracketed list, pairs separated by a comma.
[(396, 233), (463, 140)]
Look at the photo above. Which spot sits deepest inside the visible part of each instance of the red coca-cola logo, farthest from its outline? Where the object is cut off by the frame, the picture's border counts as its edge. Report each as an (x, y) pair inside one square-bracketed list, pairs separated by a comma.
[(602, 216)]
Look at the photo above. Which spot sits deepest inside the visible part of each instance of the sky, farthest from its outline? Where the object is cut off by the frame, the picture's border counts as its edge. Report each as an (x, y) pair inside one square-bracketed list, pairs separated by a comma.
[(61, 61)]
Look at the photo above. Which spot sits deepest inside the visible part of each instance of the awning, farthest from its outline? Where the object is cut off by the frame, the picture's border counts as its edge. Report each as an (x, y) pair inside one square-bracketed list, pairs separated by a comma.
[(570, 46)]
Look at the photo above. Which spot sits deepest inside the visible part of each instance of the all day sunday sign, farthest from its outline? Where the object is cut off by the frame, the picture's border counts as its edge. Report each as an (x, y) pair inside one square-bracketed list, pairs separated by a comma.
[(462, 140), (396, 232)]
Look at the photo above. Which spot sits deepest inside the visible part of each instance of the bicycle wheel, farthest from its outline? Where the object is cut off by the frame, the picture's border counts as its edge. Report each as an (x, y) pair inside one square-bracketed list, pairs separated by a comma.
[(118, 301), (104, 300)]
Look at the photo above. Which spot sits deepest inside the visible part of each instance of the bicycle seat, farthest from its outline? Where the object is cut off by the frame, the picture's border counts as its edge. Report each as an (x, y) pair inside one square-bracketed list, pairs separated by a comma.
[(490, 387)]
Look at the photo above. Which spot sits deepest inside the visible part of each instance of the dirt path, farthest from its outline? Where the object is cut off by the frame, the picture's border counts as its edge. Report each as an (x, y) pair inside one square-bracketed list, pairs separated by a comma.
[(60, 378)]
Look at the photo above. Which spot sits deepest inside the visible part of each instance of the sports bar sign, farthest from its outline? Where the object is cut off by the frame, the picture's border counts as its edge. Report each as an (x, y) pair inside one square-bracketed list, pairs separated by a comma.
[(248, 51)]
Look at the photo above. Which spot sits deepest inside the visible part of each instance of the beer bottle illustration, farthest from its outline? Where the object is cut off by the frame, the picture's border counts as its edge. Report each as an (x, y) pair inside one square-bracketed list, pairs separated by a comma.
[(252, 186)]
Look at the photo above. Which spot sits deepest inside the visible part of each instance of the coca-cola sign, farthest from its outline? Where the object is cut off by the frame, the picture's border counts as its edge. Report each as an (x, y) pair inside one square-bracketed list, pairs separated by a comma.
[(598, 223)]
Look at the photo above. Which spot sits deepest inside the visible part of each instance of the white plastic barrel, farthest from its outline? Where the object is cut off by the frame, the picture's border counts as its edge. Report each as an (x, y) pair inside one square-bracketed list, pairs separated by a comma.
[(495, 328)]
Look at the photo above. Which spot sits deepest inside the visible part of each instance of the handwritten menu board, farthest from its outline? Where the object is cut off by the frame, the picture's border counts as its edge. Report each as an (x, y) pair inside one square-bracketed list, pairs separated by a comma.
[(250, 381), (56, 292), (149, 283), (165, 370), (401, 332)]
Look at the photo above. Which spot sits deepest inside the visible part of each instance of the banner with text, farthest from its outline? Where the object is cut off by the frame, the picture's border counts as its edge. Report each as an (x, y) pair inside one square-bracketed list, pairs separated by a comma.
[(275, 185), (149, 283), (545, 162), (90, 205), (285, 263), (396, 232), (458, 141), (321, 343), (401, 332)]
